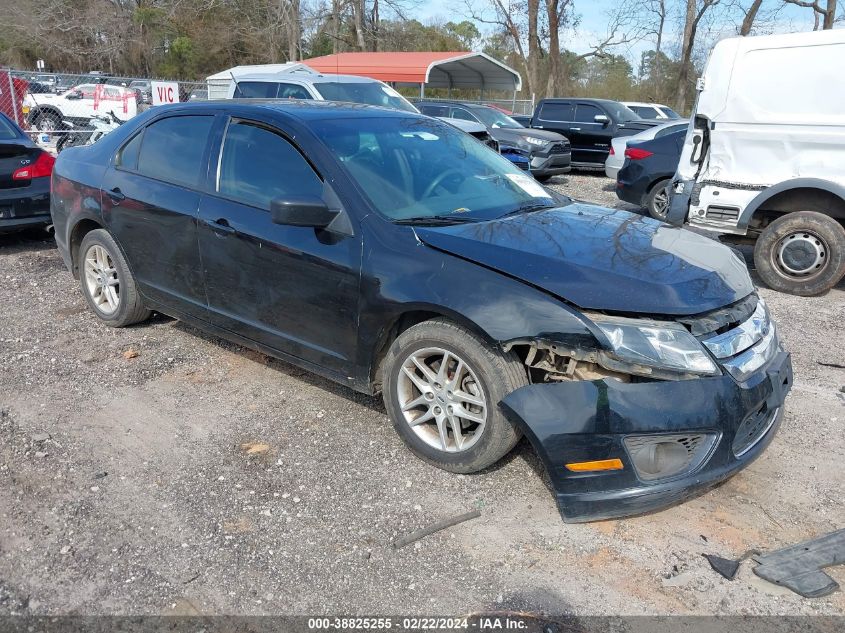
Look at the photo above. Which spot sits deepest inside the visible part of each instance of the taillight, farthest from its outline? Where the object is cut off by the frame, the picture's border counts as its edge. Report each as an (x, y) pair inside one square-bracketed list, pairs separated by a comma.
[(41, 167), (635, 153), (612, 151)]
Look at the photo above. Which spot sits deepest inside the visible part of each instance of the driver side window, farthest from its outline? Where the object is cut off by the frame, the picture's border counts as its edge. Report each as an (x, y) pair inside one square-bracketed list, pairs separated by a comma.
[(258, 165)]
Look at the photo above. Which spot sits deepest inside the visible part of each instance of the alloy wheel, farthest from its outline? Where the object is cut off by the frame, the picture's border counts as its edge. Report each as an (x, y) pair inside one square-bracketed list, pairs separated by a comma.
[(442, 399), (660, 204), (101, 279)]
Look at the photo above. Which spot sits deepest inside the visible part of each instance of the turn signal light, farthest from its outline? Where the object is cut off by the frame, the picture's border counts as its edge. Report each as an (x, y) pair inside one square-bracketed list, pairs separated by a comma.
[(40, 168), (601, 464)]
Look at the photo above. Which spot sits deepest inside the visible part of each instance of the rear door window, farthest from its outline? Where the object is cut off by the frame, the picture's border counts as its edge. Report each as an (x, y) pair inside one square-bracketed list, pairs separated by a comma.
[(557, 111), (256, 90), (172, 149), (258, 165), (463, 113), (292, 91), (587, 113), (434, 110)]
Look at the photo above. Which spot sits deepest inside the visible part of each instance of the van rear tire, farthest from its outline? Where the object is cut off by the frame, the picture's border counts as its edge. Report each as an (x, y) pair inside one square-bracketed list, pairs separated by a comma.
[(801, 253)]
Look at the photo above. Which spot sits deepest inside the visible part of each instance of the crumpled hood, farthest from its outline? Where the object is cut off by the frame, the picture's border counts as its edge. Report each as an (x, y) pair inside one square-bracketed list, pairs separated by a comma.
[(603, 259)]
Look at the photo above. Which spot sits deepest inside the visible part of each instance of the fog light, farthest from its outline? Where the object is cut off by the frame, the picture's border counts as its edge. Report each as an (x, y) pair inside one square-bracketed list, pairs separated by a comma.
[(661, 456)]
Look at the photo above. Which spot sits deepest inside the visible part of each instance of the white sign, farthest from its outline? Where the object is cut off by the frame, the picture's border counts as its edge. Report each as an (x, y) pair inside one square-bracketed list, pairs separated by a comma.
[(165, 92), (40, 64)]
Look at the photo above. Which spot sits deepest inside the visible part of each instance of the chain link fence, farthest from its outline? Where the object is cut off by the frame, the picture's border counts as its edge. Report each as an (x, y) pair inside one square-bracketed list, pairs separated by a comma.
[(59, 110), (52, 106)]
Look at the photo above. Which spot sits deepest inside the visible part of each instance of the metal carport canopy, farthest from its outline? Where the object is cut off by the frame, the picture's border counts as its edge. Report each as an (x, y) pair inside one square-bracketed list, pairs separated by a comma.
[(434, 70)]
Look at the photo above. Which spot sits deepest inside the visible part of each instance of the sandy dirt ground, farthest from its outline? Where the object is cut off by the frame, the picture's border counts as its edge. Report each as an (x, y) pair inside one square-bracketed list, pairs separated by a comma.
[(200, 477)]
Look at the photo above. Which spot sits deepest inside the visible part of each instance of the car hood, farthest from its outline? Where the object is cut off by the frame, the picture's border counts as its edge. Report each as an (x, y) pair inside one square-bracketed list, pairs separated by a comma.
[(507, 135), (603, 259), (469, 127)]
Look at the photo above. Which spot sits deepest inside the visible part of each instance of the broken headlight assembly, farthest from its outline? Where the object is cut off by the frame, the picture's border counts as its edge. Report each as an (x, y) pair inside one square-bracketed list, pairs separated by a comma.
[(651, 348)]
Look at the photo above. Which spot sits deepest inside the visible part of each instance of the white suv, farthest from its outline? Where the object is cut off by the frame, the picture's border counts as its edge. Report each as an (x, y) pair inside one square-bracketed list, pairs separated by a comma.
[(349, 88)]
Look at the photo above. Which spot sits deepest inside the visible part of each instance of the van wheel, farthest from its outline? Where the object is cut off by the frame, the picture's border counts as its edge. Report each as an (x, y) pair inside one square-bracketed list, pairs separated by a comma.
[(442, 388), (657, 200), (801, 253), (107, 283)]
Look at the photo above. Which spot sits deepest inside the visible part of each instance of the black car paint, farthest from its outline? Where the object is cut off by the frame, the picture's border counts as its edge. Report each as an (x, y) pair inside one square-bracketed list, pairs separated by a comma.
[(637, 177), (332, 303), (590, 140), (552, 160), (23, 203)]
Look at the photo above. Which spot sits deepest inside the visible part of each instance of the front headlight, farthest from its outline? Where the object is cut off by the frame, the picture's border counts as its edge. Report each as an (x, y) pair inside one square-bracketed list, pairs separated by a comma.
[(650, 347), (533, 140)]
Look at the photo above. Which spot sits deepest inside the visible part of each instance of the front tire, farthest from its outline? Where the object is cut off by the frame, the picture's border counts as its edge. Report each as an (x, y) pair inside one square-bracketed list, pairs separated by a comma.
[(107, 283), (442, 388), (47, 122), (801, 253)]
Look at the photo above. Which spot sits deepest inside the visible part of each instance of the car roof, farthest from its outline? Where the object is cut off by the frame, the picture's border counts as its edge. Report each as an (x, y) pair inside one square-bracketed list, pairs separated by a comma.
[(305, 109), (584, 99), (306, 78)]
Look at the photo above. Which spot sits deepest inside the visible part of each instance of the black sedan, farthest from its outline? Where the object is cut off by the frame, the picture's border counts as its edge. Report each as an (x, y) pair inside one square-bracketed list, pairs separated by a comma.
[(546, 154), (648, 170), (393, 253), (25, 172)]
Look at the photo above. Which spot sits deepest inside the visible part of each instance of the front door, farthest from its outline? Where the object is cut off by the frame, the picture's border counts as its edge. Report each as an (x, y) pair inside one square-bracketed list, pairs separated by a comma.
[(593, 137), (294, 289), (150, 198)]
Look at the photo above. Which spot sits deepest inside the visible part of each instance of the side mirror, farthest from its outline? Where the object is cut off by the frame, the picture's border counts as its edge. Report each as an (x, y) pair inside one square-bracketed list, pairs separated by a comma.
[(601, 118), (308, 211)]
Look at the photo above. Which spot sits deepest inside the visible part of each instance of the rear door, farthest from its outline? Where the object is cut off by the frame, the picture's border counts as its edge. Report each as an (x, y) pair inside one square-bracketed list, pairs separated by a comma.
[(294, 289), (593, 138), (150, 198)]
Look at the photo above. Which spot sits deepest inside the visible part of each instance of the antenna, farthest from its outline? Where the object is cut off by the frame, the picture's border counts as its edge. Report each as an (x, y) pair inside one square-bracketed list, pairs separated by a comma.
[(235, 81)]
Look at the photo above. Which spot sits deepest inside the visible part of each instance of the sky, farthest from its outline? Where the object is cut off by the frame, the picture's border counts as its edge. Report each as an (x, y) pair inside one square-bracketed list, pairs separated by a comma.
[(593, 23)]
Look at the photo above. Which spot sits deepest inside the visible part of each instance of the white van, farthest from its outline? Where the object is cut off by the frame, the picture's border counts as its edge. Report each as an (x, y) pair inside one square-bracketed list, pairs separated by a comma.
[(764, 155)]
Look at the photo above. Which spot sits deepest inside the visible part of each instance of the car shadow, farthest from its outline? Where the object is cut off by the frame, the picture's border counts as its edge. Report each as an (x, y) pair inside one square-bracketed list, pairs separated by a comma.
[(38, 239)]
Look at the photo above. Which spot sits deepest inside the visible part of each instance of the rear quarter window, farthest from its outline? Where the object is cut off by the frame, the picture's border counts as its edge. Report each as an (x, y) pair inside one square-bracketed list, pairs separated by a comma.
[(256, 90)]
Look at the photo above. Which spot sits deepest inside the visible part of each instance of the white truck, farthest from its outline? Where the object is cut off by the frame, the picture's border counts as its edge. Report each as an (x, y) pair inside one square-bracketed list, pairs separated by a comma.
[(764, 156), (77, 106)]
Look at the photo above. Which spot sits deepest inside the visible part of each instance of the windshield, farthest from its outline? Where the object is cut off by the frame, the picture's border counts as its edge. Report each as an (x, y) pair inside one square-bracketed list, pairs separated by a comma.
[(491, 117), (620, 113), (420, 168), (374, 93)]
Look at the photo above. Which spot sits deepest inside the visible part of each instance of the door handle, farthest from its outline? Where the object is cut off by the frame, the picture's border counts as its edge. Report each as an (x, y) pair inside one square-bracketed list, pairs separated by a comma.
[(116, 195), (575, 129), (221, 227)]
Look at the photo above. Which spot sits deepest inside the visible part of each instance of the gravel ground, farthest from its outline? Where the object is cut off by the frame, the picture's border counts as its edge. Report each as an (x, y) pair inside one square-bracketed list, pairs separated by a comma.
[(199, 477)]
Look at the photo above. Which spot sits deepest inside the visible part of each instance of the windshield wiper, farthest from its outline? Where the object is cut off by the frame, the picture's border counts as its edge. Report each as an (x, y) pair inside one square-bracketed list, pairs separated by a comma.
[(529, 208), (435, 220)]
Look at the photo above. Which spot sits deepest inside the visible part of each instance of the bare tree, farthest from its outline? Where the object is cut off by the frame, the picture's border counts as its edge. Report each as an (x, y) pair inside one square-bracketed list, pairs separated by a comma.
[(695, 10), (825, 15), (750, 14)]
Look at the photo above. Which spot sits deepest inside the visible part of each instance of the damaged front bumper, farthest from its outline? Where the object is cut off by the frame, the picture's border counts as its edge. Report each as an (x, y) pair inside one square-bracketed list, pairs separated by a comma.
[(580, 421)]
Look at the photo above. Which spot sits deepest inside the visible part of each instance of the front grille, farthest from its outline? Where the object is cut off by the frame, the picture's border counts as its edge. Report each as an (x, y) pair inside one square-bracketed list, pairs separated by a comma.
[(752, 429), (560, 148)]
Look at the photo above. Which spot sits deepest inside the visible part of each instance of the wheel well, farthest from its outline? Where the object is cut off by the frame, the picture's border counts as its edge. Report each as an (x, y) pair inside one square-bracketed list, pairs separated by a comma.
[(400, 324), (656, 182), (39, 110), (800, 199), (80, 230)]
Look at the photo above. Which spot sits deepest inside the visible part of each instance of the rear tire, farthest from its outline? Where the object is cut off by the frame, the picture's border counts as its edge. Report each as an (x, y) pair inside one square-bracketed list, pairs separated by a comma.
[(475, 372), (107, 283), (47, 122), (801, 253), (542, 178), (657, 200)]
